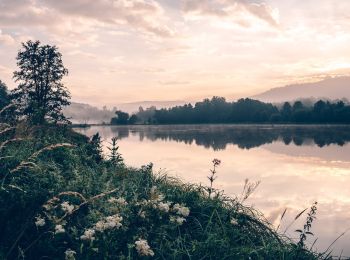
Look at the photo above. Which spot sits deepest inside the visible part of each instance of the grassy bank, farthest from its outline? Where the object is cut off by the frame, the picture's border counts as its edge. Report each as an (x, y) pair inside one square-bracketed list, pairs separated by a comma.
[(60, 199)]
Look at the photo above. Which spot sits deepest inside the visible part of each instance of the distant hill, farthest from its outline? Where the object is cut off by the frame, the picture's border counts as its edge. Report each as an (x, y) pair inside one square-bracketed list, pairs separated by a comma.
[(330, 88)]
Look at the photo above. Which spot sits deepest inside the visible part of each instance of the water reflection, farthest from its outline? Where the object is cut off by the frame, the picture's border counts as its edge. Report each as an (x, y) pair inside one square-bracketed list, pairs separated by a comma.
[(218, 137), (295, 164)]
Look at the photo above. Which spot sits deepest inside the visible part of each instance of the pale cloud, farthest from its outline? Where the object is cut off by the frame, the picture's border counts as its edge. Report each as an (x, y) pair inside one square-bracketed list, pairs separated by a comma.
[(62, 16), (6, 39), (174, 82), (147, 16), (237, 11)]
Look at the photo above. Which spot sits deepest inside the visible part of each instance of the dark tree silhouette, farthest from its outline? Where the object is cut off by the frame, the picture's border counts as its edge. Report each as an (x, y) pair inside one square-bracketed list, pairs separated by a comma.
[(132, 119), (7, 110), (286, 111), (4, 99), (95, 148), (115, 157), (121, 118), (40, 95), (218, 110)]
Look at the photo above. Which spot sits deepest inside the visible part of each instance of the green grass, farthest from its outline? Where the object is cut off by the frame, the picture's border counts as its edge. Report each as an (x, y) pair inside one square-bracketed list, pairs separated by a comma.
[(48, 166)]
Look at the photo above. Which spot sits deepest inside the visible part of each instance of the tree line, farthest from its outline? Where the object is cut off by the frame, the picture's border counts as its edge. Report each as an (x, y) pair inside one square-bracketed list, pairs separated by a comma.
[(218, 110), (40, 98)]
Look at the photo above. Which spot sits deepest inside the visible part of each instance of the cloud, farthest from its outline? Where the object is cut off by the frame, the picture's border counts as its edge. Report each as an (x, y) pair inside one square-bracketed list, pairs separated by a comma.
[(174, 82), (236, 10), (142, 15), (6, 39)]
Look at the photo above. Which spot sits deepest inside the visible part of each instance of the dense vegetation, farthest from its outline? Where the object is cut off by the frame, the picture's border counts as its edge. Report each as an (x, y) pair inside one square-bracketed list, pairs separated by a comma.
[(58, 197), (61, 198), (218, 110)]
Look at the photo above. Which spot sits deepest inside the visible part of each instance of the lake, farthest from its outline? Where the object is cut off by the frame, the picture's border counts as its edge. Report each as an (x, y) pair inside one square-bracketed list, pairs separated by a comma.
[(296, 165)]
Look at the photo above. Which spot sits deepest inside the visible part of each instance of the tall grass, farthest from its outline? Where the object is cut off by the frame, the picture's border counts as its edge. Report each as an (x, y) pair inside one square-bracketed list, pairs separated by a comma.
[(60, 201)]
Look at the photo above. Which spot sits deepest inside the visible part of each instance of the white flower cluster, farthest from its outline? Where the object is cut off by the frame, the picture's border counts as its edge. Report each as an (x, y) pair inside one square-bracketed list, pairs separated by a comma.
[(59, 229), (142, 248), (234, 221), (109, 222), (39, 221), (156, 196), (88, 235), (70, 254), (165, 207), (120, 201), (66, 207), (181, 210), (178, 220), (156, 200)]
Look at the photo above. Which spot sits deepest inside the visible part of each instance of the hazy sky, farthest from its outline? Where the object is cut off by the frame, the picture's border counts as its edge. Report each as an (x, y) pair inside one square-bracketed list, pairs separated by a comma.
[(131, 50)]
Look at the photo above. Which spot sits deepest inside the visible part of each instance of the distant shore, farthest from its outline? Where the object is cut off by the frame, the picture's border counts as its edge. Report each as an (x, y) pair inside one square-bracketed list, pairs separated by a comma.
[(216, 124)]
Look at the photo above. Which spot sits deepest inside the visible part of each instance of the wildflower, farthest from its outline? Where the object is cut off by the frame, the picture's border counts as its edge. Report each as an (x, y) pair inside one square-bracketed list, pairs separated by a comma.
[(114, 221), (153, 189), (70, 254), (109, 222), (216, 162), (177, 220), (88, 235), (112, 200), (181, 210), (143, 202), (100, 225), (59, 229), (156, 196), (66, 207), (164, 206), (142, 248), (120, 201), (234, 221), (39, 221), (47, 207), (142, 214)]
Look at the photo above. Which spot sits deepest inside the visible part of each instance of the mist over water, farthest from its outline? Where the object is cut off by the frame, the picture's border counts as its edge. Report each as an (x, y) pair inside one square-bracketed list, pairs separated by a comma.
[(296, 165)]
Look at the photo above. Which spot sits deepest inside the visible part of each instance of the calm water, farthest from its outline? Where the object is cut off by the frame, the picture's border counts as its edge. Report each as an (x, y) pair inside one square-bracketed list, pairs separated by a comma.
[(296, 165)]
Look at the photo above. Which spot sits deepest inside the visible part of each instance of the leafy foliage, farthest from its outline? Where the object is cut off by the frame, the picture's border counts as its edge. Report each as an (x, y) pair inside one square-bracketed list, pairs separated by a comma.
[(4, 99), (40, 95)]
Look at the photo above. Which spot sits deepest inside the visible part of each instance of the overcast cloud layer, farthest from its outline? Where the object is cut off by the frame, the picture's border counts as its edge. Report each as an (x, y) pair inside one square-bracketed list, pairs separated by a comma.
[(123, 51)]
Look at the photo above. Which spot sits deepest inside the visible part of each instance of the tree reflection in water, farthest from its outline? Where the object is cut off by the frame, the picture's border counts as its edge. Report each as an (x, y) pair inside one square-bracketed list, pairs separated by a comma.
[(218, 137)]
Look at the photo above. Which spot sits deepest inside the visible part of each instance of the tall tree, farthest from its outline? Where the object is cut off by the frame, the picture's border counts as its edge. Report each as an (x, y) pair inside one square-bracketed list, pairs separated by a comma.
[(4, 99), (40, 94)]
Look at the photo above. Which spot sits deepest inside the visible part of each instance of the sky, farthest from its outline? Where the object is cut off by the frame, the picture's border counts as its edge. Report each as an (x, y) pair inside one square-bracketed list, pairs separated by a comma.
[(120, 51)]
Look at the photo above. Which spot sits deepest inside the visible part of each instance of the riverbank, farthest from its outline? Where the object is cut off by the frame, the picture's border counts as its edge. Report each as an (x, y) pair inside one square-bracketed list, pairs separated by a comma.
[(60, 197)]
